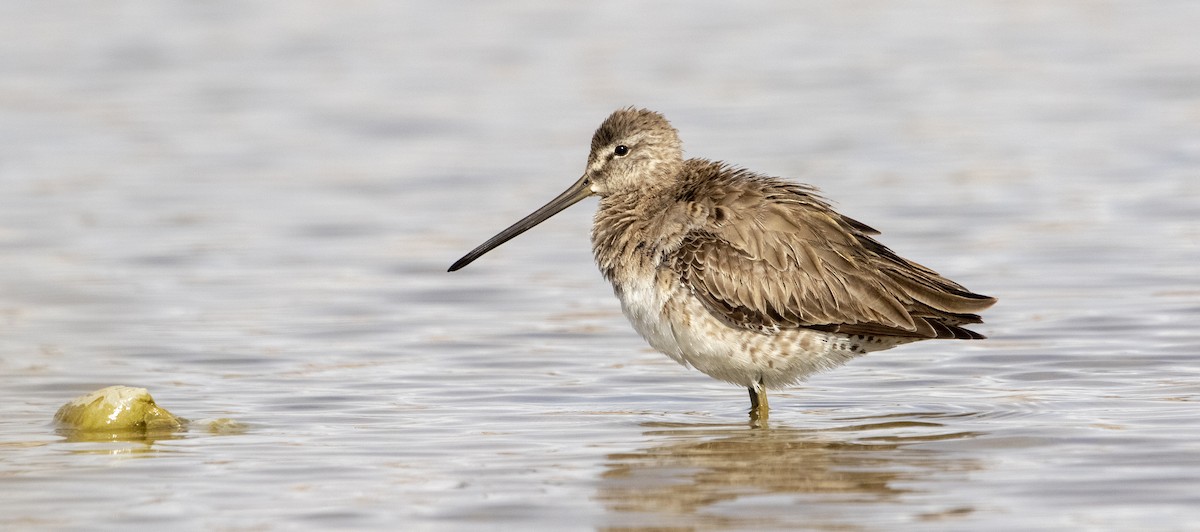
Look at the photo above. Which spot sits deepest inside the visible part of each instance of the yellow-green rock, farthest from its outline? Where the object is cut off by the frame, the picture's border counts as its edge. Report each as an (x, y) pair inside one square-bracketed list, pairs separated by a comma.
[(117, 409), (224, 426)]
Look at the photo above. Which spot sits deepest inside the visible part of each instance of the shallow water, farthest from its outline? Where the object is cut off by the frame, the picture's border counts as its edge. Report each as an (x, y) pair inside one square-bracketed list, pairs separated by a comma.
[(249, 210)]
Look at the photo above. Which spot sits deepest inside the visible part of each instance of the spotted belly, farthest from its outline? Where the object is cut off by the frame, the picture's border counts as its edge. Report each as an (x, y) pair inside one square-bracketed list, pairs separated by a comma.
[(674, 322)]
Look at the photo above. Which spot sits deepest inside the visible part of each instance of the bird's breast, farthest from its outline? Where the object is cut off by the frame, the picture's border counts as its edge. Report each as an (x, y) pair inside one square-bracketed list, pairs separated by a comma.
[(644, 300), (631, 240)]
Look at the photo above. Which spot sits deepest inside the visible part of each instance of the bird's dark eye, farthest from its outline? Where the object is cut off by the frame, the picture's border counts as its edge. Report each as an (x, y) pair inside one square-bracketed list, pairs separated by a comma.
[(621, 150)]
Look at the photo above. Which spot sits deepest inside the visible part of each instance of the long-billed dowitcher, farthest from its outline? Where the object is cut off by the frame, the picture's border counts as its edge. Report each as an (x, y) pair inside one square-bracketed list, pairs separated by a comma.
[(750, 279)]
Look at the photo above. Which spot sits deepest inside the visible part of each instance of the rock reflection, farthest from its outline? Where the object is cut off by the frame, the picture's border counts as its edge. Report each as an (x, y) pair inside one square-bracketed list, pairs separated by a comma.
[(128, 436), (119, 443), (137, 441), (691, 468)]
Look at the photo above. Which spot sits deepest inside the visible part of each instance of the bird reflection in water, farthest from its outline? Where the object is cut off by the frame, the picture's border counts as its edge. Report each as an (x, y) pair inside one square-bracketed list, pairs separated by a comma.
[(698, 475)]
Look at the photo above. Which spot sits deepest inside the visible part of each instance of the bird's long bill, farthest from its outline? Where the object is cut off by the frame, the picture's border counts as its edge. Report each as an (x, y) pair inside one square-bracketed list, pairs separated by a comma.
[(581, 189)]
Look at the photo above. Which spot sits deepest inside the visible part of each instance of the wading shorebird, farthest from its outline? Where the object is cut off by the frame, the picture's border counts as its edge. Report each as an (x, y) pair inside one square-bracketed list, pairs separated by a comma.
[(753, 280)]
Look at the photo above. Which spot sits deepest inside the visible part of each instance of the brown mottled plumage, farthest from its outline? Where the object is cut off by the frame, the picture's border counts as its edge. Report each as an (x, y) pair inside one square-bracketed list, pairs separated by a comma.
[(751, 279)]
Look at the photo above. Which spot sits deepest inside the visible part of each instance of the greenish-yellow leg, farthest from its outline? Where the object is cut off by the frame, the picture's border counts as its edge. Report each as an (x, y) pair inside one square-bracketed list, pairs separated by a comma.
[(759, 409)]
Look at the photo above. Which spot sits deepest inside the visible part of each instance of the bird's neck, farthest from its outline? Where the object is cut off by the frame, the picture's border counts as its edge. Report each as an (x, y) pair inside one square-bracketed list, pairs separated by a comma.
[(627, 235)]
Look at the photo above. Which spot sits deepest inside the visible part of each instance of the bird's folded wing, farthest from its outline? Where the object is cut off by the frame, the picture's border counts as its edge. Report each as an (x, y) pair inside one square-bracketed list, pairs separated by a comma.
[(783, 265)]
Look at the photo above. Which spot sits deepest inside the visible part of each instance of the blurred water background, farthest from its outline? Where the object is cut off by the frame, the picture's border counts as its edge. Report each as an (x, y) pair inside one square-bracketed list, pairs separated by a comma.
[(249, 207)]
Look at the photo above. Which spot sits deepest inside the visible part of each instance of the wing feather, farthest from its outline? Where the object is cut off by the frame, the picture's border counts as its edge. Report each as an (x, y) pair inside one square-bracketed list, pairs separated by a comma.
[(775, 256)]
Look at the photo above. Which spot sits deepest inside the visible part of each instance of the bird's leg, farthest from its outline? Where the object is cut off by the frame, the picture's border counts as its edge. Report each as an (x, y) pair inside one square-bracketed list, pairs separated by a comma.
[(759, 409)]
